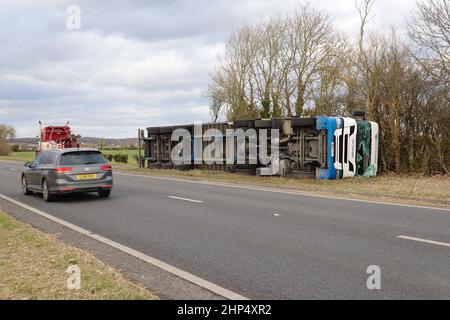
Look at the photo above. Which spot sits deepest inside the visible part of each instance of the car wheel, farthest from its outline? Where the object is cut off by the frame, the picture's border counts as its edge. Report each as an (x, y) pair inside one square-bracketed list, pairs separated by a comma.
[(46, 195), (104, 193), (25, 189)]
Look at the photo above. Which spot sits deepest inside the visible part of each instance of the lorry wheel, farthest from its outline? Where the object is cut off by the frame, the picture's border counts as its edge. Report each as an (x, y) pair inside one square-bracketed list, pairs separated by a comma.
[(156, 165), (166, 130), (303, 122), (183, 167), (25, 189), (241, 123), (167, 165), (46, 194), (104, 193), (277, 123), (153, 131), (263, 124)]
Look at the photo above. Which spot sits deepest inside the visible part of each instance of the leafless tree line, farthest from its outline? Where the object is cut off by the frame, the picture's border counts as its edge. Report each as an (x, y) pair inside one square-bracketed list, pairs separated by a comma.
[(302, 66)]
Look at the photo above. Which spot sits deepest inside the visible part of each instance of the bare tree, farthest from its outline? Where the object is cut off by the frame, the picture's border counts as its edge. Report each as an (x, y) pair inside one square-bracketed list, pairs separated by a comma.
[(6, 132), (429, 28), (312, 39), (299, 65)]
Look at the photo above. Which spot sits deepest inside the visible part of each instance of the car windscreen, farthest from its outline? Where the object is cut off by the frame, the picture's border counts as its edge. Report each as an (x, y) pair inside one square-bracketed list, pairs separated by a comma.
[(82, 158)]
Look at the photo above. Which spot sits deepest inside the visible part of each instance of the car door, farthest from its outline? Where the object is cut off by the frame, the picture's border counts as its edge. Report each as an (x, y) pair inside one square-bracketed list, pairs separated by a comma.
[(46, 163), (32, 174)]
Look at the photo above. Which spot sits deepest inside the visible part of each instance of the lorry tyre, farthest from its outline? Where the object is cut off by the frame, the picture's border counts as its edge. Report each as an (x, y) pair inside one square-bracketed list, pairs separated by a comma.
[(277, 123), (183, 167), (303, 122), (155, 165), (166, 130), (263, 124), (359, 114), (241, 123), (167, 165), (153, 131)]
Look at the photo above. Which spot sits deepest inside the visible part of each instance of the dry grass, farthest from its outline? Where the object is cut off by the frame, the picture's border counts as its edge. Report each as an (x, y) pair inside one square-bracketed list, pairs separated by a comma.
[(414, 189), (33, 266)]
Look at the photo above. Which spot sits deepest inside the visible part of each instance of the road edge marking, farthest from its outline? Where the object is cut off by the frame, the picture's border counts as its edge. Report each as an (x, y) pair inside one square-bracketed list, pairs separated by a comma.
[(439, 243), (137, 254), (267, 189)]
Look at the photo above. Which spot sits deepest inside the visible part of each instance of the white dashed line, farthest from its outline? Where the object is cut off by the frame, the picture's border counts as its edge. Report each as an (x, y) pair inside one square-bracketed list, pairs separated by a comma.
[(186, 199), (438, 243), (274, 190)]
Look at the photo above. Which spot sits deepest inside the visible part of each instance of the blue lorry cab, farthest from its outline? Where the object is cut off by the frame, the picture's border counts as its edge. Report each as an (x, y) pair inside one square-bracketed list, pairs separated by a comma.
[(329, 126)]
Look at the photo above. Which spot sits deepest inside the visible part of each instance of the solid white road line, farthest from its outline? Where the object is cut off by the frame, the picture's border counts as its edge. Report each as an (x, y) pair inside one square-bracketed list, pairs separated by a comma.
[(444, 244), (156, 262), (185, 199), (267, 189)]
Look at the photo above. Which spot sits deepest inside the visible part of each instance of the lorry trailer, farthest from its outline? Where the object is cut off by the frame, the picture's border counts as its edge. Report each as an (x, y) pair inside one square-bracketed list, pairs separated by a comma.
[(319, 147)]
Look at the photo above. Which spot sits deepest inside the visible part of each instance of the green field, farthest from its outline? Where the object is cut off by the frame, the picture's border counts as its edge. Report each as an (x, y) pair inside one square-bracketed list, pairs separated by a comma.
[(20, 156), (29, 156), (130, 153)]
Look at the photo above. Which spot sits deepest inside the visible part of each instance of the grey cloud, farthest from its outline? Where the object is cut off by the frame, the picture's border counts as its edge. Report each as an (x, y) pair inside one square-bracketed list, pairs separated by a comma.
[(134, 63)]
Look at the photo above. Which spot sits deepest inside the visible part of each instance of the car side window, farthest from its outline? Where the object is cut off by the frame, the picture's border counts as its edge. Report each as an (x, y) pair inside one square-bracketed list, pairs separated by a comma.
[(49, 158), (38, 160), (44, 159)]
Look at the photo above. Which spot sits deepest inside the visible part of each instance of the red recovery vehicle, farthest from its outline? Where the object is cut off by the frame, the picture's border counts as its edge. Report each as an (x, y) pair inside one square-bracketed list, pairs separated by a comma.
[(56, 137)]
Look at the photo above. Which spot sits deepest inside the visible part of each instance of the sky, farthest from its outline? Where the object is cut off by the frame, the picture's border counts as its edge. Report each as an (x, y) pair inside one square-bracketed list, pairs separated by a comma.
[(131, 64)]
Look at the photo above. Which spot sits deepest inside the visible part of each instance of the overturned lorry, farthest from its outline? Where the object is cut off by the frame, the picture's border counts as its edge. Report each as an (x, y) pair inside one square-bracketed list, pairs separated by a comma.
[(315, 147)]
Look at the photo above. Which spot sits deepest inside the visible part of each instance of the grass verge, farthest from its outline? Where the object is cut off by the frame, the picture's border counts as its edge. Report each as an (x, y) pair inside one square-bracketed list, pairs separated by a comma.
[(33, 266)]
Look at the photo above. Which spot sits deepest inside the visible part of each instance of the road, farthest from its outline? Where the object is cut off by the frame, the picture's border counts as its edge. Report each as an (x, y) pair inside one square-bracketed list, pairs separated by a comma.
[(266, 245)]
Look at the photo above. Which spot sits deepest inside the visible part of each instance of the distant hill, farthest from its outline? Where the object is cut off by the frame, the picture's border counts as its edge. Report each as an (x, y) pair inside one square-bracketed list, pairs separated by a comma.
[(88, 141)]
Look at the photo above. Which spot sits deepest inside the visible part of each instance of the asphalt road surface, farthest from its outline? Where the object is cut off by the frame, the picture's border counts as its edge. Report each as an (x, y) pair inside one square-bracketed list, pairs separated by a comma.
[(266, 245)]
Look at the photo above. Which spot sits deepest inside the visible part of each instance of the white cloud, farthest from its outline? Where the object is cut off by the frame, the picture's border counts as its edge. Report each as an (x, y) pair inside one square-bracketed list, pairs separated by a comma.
[(134, 63)]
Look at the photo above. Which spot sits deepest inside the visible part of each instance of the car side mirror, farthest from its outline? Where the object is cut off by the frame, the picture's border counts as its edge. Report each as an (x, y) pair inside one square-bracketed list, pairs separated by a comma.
[(28, 164)]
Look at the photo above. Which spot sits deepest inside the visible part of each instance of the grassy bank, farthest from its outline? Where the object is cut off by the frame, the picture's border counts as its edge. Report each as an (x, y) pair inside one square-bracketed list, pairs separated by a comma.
[(33, 266)]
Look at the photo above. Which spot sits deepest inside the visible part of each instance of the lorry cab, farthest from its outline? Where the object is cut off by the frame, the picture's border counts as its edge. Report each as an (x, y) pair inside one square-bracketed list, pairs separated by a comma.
[(374, 147), (348, 147), (367, 148), (330, 126), (341, 146)]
